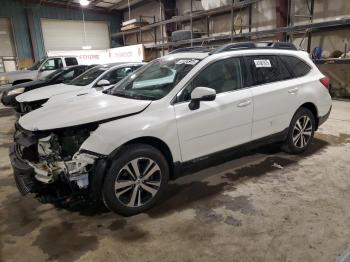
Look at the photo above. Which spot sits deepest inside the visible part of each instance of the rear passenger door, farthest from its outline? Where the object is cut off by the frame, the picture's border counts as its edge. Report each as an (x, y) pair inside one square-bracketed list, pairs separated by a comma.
[(274, 94)]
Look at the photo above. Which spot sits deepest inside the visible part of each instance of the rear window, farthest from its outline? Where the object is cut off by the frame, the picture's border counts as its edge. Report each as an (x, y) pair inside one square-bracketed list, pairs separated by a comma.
[(70, 61), (297, 66)]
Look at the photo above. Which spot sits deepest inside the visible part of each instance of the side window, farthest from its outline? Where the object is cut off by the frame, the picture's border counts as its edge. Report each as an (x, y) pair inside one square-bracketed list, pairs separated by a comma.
[(267, 69), (71, 61), (52, 64), (298, 67), (68, 75), (78, 71), (223, 76), (118, 74)]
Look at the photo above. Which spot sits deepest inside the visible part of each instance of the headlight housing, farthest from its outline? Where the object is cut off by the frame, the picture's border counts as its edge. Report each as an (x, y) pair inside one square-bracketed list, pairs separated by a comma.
[(16, 91), (4, 80)]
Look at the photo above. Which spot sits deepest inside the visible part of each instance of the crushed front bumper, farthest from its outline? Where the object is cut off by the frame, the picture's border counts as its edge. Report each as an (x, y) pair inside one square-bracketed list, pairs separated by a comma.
[(23, 174), (62, 190)]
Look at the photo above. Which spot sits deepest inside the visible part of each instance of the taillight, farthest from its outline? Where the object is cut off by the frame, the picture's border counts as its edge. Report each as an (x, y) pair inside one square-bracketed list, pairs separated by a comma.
[(325, 81)]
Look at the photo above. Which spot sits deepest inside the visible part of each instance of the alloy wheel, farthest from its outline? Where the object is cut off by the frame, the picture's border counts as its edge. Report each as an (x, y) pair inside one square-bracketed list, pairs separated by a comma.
[(138, 182), (302, 132)]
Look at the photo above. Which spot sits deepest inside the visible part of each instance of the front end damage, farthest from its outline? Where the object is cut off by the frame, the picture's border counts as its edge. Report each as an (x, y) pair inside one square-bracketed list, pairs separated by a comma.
[(52, 166)]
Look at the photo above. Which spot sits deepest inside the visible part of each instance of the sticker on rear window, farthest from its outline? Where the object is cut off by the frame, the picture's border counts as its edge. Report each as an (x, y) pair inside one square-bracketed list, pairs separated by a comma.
[(262, 63), (187, 61)]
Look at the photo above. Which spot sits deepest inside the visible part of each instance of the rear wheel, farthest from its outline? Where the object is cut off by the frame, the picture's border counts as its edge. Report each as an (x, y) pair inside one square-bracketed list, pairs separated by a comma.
[(301, 131), (136, 179)]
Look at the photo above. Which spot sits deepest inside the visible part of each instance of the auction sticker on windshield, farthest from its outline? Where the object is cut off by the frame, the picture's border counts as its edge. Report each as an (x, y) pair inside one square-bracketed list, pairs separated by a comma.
[(187, 61)]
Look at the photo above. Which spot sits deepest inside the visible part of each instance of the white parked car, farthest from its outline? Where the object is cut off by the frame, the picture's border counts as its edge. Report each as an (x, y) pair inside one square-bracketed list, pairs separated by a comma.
[(37, 71), (122, 146), (99, 77)]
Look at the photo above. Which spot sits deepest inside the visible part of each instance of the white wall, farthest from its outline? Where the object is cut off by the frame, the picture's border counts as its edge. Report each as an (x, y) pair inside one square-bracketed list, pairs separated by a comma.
[(69, 34)]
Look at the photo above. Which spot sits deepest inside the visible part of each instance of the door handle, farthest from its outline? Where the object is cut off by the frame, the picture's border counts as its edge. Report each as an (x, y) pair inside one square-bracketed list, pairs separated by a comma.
[(293, 90), (244, 103)]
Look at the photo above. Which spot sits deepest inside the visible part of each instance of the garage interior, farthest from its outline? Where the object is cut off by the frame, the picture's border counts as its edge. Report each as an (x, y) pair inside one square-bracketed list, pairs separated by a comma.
[(259, 205)]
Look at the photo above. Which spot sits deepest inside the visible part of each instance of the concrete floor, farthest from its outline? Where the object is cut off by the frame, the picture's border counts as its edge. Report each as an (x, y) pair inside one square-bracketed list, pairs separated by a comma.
[(264, 206)]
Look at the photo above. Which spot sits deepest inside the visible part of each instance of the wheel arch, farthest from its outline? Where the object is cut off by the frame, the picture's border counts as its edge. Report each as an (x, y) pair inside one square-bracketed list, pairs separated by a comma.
[(312, 107), (157, 143)]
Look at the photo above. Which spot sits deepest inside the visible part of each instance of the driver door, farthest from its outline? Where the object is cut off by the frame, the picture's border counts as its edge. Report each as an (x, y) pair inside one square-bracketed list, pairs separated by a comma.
[(49, 66), (220, 124)]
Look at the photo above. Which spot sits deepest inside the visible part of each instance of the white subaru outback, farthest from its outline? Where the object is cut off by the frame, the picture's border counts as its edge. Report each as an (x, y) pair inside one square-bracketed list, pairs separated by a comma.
[(122, 146)]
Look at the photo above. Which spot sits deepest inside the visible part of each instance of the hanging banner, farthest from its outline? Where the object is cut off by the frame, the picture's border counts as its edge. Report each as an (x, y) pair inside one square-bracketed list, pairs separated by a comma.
[(133, 53)]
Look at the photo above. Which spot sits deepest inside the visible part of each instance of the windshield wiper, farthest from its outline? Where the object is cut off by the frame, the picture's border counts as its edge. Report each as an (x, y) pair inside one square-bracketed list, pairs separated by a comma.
[(132, 96)]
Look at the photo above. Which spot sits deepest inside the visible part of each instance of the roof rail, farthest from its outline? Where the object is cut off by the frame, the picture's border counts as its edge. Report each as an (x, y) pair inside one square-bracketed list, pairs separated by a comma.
[(199, 49), (255, 45)]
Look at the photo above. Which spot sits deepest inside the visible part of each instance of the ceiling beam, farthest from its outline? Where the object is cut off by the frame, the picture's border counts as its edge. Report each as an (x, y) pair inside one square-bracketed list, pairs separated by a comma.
[(124, 4), (71, 4)]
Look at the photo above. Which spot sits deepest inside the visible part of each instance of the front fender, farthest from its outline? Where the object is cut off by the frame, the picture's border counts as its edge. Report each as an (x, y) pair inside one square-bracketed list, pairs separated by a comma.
[(160, 124)]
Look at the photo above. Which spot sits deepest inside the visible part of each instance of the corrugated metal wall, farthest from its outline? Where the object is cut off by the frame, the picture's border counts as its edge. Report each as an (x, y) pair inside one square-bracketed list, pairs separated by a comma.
[(18, 13)]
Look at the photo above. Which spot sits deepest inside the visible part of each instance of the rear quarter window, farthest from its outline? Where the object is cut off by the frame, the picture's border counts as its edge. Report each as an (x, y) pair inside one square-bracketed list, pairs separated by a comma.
[(297, 66), (267, 69)]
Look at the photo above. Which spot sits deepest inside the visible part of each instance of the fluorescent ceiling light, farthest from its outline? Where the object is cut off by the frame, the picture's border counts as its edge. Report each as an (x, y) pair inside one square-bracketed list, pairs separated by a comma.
[(86, 47), (84, 2)]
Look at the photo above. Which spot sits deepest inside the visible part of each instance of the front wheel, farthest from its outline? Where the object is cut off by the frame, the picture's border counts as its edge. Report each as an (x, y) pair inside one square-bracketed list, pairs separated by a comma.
[(301, 131), (136, 179)]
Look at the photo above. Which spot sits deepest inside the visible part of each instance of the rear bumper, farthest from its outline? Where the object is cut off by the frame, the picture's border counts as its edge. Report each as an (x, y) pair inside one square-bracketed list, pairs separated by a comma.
[(324, 118)]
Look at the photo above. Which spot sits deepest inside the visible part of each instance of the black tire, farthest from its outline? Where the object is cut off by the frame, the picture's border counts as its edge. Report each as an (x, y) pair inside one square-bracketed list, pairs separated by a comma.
[(143, 154), (295, 146)]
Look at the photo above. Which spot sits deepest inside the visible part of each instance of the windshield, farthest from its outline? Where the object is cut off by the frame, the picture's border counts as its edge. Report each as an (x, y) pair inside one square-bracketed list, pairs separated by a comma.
[(36, 65), (89, 76), (154, 80)]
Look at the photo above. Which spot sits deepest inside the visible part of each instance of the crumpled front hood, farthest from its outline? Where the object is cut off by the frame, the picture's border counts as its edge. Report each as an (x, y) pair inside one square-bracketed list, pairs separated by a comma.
[(69, 96), (88, 108), (47, 92)]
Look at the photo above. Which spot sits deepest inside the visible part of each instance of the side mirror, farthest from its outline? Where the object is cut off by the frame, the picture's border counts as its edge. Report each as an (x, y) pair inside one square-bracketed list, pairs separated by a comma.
[(103, 82), (201, 94)]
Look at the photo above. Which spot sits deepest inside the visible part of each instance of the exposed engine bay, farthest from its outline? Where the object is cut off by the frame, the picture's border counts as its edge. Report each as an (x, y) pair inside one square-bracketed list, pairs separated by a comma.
[(59, 168)]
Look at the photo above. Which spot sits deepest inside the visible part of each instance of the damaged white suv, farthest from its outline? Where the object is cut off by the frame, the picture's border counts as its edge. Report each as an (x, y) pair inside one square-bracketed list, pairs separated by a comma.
[(123, 145)]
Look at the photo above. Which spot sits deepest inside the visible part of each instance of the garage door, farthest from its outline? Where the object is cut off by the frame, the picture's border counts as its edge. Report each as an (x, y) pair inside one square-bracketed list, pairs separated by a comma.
[(69, 34)]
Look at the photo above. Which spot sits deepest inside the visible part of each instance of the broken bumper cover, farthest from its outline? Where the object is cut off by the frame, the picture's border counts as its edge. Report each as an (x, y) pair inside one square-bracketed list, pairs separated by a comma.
[(23, 173), (86, 185)]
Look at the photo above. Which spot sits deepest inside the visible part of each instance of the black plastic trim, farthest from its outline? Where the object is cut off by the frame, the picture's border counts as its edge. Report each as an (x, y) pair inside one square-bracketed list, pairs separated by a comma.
[(96, 178), (324, 118), (181, 167)]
